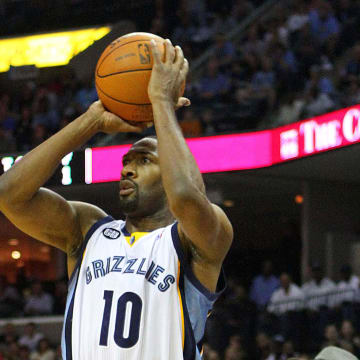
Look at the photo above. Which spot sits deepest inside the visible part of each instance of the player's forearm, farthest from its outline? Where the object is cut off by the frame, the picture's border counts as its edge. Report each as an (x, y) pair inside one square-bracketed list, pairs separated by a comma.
[(20, 183), (180, 173)]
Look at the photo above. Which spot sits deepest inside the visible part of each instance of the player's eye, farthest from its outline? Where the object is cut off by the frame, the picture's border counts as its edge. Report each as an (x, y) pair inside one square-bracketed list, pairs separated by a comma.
[(145, 160)]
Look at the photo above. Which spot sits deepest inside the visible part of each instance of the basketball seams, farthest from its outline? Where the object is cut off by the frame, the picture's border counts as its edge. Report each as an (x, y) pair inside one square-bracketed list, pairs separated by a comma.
[(129, 42), (121, 72), (119, 101)]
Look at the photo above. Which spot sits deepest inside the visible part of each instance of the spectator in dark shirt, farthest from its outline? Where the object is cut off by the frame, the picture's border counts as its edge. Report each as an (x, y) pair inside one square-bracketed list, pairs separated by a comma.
[(185, 29), (331, 336), (10, 301), (353, 66), (347, 334), (44, 115), (23, 130), (235, 349), (8, 336), (214, 83), (24, 353), (348, 13), (39, 302), (7, 142), (224, 51), (60, 297), (12, 351), (263, 82), (39, 135), (241, 315), (264, 285), (323, 23)]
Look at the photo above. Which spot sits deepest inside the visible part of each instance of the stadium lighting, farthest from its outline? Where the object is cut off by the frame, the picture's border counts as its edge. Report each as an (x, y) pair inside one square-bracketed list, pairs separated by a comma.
[(13, 242), (16, 254), (45, 50)]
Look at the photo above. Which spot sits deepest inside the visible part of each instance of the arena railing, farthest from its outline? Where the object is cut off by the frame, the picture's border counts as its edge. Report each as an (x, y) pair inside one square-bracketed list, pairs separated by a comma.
[(329, 299), (51, 326)]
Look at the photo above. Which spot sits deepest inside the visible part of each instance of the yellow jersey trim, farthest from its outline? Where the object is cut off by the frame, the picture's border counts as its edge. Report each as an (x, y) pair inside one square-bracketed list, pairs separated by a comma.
[(181, 307), (134, 237)]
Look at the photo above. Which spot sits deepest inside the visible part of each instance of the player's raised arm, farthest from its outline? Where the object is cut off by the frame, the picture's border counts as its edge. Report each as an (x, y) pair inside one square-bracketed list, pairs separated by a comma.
[(204, 225), (42, 213)]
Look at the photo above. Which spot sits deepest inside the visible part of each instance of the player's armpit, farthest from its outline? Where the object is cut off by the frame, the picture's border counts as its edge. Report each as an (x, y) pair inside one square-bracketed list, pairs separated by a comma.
[(87, 215), (206, 236)]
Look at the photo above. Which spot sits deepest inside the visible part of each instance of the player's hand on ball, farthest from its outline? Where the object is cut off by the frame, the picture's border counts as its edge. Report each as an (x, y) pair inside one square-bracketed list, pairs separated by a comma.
[(167, 77), (108, 122)]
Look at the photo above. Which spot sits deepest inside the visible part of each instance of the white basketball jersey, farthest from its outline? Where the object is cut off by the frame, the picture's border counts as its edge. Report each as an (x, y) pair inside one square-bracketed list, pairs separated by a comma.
[(133, 297)]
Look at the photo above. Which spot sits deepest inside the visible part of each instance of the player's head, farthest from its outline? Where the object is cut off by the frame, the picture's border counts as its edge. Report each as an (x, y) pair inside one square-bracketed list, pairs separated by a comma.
[(141, 192)]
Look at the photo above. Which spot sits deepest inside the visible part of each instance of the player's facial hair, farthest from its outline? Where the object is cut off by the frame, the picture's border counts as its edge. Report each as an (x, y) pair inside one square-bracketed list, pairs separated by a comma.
[(129, 204)]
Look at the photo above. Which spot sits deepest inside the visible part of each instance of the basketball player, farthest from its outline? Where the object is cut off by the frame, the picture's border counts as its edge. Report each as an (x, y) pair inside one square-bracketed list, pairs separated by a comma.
[(139, 289)]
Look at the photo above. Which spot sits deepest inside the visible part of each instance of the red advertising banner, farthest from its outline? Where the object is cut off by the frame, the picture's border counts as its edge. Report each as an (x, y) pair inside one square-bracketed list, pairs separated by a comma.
[(248, 150), (312, 136)]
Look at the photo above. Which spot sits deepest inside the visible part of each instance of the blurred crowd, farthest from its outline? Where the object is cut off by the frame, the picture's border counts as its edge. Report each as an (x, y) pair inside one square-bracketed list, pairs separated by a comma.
[(30, 344), (30, 116), (29, 298), (300, 60), (270, 318), (276, 319), (32, 298)]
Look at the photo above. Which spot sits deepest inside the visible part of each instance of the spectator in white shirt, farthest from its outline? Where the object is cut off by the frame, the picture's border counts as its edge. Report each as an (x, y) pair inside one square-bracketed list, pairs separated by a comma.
[(348, 285), (298, 18), (318, 289), (31, 337), (348, 279), (288, 297)]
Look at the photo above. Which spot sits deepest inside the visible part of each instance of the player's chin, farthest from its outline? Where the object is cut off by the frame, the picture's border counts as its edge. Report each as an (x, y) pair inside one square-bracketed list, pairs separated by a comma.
[(128, 202)]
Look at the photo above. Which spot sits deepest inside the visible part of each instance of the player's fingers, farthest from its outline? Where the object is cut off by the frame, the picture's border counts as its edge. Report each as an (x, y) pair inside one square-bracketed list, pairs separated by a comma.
[(179, 59), (169, 52), (184, 71), (126, 127), (155, 52), (182, 101), (98, 103), (114, 123)]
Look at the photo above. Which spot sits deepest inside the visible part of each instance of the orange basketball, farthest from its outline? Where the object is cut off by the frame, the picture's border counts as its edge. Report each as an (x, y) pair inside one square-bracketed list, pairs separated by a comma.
[(123, 73)]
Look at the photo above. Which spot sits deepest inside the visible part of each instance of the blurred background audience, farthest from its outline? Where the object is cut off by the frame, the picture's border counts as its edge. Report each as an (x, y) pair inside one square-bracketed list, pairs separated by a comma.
[(300, 60)]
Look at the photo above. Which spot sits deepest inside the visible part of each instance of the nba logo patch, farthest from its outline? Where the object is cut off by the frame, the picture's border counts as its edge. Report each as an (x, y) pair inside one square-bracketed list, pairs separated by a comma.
[(111, 234)]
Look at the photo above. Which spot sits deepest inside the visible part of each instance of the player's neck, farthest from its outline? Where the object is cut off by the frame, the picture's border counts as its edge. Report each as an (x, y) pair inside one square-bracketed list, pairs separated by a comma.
[(149, 223)]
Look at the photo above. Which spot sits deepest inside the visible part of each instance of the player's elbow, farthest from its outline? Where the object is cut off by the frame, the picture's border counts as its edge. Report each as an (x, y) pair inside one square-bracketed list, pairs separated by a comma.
[(10, 196)]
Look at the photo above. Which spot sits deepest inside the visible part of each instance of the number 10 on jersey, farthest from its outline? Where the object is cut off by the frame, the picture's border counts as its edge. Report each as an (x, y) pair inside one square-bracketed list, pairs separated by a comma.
[(123, 337)]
